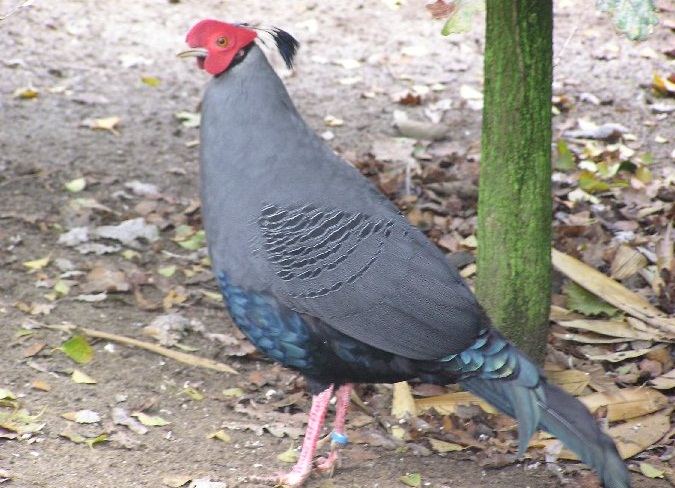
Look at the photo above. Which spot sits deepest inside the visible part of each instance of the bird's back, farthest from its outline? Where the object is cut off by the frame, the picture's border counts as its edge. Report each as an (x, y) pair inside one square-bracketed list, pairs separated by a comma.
[(286, 216)]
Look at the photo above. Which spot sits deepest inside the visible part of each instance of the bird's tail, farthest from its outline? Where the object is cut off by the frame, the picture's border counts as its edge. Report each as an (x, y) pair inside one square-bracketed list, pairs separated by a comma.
[(511, 382)]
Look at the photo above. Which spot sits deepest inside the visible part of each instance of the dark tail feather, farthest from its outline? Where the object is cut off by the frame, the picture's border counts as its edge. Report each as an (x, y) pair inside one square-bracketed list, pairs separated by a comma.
[(547, 407)]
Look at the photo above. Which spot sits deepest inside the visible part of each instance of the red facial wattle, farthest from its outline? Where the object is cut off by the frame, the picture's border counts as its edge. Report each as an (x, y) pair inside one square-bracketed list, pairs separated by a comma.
[(221, 40)]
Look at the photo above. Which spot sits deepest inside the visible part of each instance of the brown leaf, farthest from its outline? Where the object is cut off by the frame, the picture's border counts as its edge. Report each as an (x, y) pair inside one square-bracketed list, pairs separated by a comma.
[(665, 381), (613, 292), (627, 403), (452, 402), (39, 384), (410, 99), (105, 278), (143, 303), (627, 262), (441, 9), (33, 349)]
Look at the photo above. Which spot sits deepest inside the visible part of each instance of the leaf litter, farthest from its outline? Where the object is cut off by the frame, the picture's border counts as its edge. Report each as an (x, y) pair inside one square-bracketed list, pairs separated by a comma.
[(612, 207), (607, 314)]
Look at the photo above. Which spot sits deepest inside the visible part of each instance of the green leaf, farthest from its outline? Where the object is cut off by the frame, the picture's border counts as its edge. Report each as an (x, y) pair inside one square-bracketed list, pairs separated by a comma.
[(412, 479), (290, 456), (78, 349), (5, 394), (643, 174), (233, 392), (589, 183), (193, 393), (186, 348), (651, 471), (583, 301), (130, 254), (635, 18), (608, 170), (647, 159), (24, 333), (61, 288), (565, 159), (167, 271), (188, 119), (96, 440), (221, 435), (188, 238), (197, 241), (75, 437), (150, 80), (150, 420), (76, 185), (629, 166), (461, 20)]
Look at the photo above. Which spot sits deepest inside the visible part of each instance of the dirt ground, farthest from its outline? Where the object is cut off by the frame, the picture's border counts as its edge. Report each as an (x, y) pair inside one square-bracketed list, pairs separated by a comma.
[(85, 60)]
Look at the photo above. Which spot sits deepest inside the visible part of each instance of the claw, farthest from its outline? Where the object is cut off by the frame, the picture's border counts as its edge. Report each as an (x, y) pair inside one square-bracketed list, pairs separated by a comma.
[(297, 476)]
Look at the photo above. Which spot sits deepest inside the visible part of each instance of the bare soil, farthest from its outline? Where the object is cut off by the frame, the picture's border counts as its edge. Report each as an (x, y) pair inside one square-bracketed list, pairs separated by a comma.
[(85, 59)]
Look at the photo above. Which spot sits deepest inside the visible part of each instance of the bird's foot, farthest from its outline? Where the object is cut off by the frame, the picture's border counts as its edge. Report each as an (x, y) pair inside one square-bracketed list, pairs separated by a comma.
[(295, 478), (328, 464)]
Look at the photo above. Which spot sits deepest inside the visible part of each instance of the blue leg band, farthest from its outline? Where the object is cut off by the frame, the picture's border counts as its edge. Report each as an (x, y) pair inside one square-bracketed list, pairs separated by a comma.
[(339, 438)]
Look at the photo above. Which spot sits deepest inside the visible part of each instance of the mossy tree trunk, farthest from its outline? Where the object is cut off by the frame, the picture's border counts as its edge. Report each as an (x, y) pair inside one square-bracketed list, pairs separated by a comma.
[(514, 215)]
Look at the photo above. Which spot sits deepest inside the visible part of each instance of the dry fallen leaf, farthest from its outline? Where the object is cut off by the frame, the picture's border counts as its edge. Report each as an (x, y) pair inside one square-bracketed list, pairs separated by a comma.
[(37, 264), (627, 262), (42, 385), (572, 381), (610, 328), (612, 292), (221, 435), (105, 123), (80, 377), (403, 404), (82, 416), (176, 480), (451, 403), (332, 121), (664, 382), (105, 278), (443, 446), (122, 417), (627, 403)]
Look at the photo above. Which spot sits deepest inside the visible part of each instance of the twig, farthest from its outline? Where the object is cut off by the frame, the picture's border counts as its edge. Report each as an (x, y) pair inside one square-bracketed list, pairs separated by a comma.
[(23, 5), (556, 61), (175, 355)]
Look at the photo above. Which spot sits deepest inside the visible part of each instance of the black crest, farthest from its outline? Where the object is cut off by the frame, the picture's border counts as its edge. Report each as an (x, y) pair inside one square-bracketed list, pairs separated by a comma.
[(286, 44)]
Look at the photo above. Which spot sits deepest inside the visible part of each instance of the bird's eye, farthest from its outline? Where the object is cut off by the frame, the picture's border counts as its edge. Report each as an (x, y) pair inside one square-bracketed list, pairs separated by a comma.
[(222, 41)]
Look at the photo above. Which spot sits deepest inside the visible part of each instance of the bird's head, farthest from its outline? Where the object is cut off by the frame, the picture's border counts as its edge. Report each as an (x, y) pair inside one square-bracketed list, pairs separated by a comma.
[(218, 45)]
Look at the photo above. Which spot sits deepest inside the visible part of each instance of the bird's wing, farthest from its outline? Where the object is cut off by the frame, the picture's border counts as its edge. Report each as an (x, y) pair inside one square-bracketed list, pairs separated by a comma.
[(375, 278)]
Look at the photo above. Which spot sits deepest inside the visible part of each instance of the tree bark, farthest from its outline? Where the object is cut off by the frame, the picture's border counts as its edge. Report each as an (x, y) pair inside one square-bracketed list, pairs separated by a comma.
[(514, 210)]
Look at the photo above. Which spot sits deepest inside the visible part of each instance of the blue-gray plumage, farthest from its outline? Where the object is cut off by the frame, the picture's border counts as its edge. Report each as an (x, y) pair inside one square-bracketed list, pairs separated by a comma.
[(325, 276)]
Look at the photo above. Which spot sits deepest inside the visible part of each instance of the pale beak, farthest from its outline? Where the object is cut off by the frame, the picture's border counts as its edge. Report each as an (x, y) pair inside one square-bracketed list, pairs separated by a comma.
[(195, 52)]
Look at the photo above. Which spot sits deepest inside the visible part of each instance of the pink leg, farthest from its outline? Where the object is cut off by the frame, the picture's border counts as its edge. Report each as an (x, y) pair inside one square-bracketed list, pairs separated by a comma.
[(302, 469), (343, 397)]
